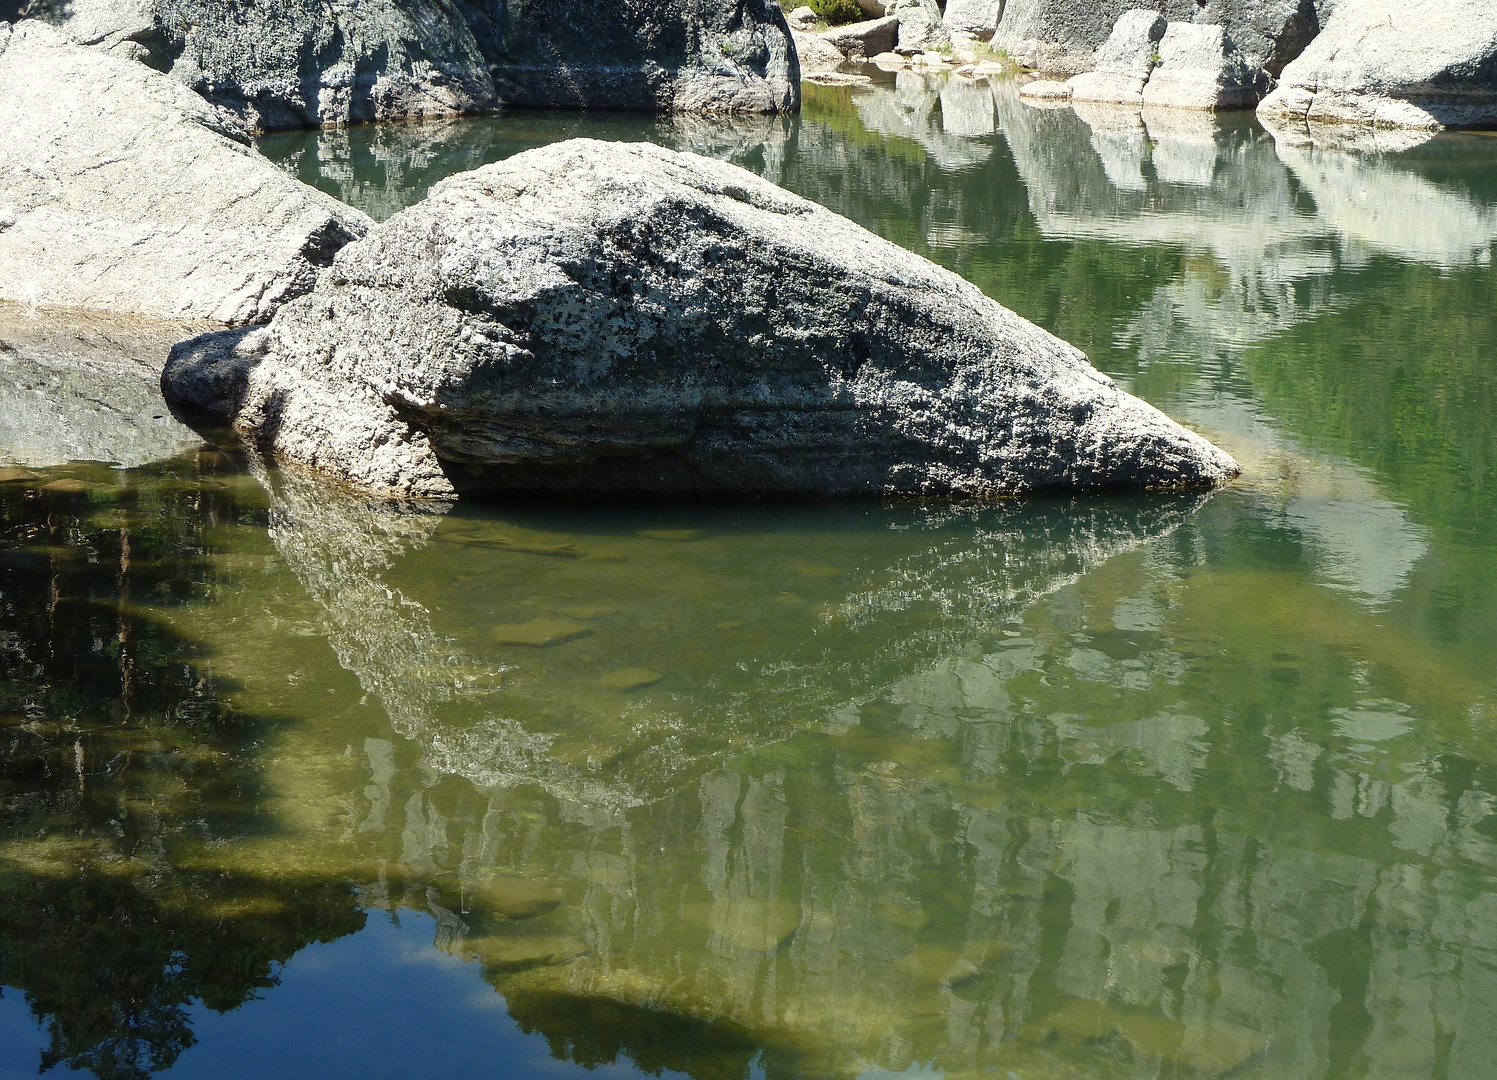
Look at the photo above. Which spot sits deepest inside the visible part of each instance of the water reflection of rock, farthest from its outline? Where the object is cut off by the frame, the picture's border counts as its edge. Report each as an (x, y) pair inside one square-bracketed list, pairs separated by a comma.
[(1277, 220), (753, 657), (80, 387), (918, 884), (837, 852)]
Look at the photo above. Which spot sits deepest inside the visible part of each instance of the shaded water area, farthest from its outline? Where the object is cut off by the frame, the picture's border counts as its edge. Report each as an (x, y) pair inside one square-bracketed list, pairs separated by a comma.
[(1164, 786)]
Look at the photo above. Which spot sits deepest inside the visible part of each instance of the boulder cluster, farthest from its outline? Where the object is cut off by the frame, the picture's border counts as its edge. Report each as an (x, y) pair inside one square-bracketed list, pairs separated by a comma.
[(1383, 63), (589, 318), (278, 64)]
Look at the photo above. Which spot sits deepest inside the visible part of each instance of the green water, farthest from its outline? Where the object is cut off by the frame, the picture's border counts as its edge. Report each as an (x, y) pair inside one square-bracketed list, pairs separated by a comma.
[(1147, 787)]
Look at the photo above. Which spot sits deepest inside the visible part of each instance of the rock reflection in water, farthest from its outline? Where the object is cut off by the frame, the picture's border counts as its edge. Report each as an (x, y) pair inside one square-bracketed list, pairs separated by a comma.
[(76, 386), (1150, 788), (682, 646), (1062, 789)]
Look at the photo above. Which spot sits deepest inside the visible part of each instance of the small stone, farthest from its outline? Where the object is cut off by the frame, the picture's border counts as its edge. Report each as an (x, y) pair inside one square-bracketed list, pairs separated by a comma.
[(67, 486), (538, 633), (627, 679), (1045, 90)]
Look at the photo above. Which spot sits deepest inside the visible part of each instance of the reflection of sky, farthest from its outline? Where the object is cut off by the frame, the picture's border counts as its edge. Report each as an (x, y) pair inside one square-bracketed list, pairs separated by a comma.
[(379, 1003)]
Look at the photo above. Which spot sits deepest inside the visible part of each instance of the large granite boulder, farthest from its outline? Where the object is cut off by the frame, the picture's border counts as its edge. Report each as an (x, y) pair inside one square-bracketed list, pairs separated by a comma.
[(122, 191), (977, 17), (1200, 68), (1124, 60), (607, 318), (295, 63), (1063, 36), (1395, 63)]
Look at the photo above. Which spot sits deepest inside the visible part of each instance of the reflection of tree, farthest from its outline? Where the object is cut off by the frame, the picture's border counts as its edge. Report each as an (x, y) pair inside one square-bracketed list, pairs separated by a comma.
[(118, 760)]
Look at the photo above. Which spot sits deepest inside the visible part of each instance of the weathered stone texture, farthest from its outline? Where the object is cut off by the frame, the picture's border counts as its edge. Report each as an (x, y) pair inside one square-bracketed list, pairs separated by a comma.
[(1124, 60), (1200, 68), (600, 317), (1395, 63), (295, 63), (121, 190)]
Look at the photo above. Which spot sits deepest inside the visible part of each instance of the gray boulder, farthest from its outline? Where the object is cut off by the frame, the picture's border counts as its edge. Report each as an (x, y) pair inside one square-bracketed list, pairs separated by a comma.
[(1395, 63), (294, 63), (1124, 60), (977, 17), (1063, 36), (802, 18), (1200, 68), (864, 40), (920, 26), (816, 54), (122, 191), (606, 318), (1268, 33)]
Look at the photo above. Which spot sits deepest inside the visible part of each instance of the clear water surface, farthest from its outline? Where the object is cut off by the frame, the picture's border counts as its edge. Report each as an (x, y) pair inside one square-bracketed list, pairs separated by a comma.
[(294, 783)]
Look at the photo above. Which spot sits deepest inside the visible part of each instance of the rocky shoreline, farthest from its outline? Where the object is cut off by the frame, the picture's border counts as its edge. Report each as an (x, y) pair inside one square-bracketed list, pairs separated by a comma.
[(283, 64), (592, 318), (1429, 64)]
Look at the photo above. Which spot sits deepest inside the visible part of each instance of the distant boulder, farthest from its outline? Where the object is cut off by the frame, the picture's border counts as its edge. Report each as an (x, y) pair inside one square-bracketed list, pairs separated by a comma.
[(288, 63), (1200, 68), (1395, 63), (1124, 60), (1064, 36), (605, 318)]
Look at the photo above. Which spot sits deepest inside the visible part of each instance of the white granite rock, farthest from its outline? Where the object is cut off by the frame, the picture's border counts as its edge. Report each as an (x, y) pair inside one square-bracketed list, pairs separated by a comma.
[(594, 317), (123, 191)]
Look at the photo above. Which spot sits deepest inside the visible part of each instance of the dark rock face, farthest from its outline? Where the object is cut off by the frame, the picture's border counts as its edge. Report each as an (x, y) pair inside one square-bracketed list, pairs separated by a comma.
[(694, 55), (619, 318), (305, 63)]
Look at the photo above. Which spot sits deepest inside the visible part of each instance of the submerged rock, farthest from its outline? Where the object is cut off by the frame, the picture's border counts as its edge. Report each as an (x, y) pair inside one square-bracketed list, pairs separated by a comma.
[(601, 317), (288, 63), (122, 191), (1395, 63)]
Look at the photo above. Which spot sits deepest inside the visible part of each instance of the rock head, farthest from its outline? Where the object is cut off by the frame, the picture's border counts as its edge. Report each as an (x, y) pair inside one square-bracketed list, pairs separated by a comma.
[(607, 318)]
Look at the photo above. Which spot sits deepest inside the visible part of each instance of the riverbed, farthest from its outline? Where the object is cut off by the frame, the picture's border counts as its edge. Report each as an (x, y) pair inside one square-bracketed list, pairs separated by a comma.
[(1165, 785)]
